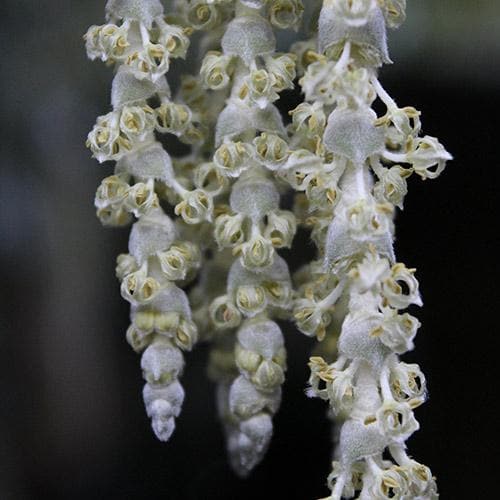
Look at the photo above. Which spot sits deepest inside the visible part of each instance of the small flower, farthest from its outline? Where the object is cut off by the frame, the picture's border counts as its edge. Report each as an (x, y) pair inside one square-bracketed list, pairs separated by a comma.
[(388, 484), (354, 481), (429, 158), (367, 219), (258, 252), (271, 150), (141, 199), (280, 229), (232, 158), (105, 140), (422, 483), (396, 420), (282, 69), (152, 62), (401, 288), (369, 273), (195, 207), (278, 294), (259, 87), (186, 334), (407, 383), (397, 331), (251, 300), (394, 12), (216, 70), (203, 16), (136, 122), (309, 119), (285, 14), (112, 191), (392, 186), (310, 319), (113, 216), (125, 264), (229, 231), (108, 42), (224, 313), (172, 118), (179, 260), (174, 39), (138, 288)]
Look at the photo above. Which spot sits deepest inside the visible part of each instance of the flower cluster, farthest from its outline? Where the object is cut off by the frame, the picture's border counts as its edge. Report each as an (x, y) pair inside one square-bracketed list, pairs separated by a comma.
[(348, 168)]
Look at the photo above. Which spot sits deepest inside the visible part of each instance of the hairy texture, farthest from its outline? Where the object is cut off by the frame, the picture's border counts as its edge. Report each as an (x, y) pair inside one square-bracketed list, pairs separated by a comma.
[(212, 221)]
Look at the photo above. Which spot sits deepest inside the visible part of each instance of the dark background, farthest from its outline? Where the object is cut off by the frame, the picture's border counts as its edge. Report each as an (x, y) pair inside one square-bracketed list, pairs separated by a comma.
[(72, 423)]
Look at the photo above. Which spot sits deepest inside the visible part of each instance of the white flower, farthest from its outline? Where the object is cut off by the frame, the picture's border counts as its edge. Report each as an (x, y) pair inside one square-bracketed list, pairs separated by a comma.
[(396, 420), (387, 484), (429, 158), (407, 383), (397, 331), (285, 13), (401, 288), (216, 70)]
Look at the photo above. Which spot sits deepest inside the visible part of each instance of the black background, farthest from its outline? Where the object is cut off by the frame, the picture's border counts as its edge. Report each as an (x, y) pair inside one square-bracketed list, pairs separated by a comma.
[(72, 424)]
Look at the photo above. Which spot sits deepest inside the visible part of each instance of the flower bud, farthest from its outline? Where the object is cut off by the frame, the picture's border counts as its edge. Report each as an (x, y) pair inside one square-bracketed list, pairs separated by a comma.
[(245, 400)]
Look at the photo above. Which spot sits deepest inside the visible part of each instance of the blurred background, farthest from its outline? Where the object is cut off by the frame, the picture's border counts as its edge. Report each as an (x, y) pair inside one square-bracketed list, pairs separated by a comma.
[(72, 423)]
